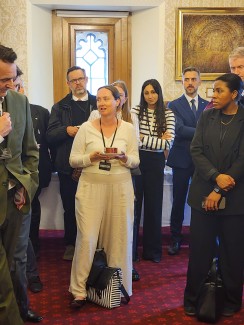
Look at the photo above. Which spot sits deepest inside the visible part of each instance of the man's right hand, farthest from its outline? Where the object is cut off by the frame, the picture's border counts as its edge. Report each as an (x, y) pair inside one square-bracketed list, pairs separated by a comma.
[(72, 130), (5, 124)]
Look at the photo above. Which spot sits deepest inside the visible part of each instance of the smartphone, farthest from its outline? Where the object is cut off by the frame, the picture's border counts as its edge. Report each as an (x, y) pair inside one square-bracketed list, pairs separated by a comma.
[(221, 203)]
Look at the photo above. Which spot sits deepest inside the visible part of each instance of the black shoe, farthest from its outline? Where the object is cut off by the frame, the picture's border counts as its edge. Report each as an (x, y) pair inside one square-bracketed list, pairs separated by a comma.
[(190, 311), (135, 275), (77, 304), (228, 312), (34, 284), (32, 317), (153, 259), (174, 248)]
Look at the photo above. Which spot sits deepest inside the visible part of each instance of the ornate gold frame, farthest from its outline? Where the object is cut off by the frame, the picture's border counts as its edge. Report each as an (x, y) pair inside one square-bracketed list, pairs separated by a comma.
[(205, 37)]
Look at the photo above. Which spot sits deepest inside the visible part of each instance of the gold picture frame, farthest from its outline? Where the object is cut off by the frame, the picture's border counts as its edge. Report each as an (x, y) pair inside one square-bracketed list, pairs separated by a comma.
[(205, 37)]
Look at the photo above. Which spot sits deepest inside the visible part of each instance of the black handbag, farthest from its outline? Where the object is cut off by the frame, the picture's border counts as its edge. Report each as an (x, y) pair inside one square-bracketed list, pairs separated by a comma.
[(211, 296), (104, 284)]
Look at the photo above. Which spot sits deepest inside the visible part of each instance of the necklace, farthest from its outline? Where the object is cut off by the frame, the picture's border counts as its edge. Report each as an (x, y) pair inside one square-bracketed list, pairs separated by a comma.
[(229, 120)]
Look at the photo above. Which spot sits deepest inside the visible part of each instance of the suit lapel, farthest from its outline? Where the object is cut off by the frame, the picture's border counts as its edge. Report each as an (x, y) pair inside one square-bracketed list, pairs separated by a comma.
[(11, 109)]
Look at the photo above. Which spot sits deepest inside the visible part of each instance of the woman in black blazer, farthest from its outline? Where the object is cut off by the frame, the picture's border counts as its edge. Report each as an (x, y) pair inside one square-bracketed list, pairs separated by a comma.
[(217, 150)]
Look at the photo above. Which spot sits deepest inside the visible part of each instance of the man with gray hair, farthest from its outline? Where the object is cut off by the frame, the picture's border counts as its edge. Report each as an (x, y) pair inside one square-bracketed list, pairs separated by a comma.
[(236, 62)]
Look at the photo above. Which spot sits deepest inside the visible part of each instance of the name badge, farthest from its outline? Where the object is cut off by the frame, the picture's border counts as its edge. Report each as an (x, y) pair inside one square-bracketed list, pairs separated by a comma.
[(104, 165)]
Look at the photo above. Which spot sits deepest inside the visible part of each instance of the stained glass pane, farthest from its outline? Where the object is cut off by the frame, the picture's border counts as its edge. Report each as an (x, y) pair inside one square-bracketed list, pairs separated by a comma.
[(92, 55)]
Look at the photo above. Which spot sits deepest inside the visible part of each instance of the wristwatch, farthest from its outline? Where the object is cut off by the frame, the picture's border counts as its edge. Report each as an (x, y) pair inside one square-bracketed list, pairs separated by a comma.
[(218, 190)]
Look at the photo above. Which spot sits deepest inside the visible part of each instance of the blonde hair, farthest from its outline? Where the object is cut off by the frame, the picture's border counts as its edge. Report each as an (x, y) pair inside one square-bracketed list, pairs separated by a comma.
[(125, 108)]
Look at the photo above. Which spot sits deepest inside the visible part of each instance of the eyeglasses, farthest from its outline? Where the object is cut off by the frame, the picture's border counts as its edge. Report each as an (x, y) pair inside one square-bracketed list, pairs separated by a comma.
[(75, 81)]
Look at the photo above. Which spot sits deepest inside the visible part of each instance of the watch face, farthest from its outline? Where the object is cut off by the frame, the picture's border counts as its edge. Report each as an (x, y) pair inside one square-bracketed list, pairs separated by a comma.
[(216, 190)]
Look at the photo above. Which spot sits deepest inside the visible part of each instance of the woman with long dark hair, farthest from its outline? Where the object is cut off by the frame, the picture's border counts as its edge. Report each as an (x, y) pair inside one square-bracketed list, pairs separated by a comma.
[(157, 125)]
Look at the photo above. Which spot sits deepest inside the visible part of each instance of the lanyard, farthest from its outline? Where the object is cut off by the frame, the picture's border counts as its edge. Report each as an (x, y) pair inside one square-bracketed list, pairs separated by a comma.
[(113, 136)]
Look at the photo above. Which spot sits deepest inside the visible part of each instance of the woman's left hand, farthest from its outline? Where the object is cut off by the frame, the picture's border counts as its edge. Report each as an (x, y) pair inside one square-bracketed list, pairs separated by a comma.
[(211, 201), (122, 157)]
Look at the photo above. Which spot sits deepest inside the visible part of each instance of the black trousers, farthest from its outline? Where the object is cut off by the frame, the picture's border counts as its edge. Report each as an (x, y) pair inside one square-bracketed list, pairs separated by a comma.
[(68, 189), (204, 230), (35, 221), (149, 187), (181, 178)]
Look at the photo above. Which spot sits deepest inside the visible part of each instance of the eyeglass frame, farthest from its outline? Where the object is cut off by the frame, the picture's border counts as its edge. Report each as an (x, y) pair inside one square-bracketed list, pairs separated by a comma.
[(78, 80)]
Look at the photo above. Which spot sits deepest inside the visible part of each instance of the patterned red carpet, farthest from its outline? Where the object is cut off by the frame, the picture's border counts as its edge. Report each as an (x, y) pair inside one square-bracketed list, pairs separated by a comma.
[(157, 297)]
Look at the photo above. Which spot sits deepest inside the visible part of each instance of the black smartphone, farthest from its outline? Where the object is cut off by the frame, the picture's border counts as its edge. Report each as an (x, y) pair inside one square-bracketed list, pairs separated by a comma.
[(221, 203)]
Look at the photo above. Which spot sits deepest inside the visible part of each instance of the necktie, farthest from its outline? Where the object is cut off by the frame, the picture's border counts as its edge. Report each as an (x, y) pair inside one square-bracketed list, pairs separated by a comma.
[(193, 107)]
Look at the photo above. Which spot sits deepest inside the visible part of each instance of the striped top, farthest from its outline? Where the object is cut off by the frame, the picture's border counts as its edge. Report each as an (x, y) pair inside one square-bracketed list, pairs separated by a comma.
[(148, 128)]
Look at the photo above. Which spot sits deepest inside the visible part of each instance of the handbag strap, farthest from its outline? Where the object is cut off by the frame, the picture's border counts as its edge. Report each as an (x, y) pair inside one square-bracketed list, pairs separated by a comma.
[(126, 296)]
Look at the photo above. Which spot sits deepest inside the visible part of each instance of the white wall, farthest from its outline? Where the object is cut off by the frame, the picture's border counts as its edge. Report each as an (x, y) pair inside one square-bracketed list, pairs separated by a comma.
[(40, 60), (147, 48)]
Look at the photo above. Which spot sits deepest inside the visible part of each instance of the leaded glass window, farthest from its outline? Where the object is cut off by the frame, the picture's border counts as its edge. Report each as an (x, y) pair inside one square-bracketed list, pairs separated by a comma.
[(92, 55)]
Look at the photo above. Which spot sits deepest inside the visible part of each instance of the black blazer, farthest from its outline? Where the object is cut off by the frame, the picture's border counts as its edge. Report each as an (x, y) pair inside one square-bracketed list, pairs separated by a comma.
[(210, 157), (40, 118), (179, 155)]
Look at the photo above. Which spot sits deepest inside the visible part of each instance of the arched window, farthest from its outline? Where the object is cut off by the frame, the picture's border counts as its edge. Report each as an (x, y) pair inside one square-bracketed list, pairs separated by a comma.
[(91, 53)]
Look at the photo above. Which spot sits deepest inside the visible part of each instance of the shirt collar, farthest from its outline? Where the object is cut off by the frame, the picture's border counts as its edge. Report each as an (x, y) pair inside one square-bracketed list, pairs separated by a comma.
[(83, 99), (190, 98)]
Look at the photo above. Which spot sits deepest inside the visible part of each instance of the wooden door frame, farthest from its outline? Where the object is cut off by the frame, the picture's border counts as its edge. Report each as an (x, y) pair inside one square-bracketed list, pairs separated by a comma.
[(120, 55)]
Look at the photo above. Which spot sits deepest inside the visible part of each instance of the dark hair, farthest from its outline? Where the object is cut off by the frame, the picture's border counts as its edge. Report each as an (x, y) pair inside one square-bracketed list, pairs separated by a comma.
[(113, 90), (187, 69), (160, 108), (19, 72), (233, 82), (7, 54), (75, 67)]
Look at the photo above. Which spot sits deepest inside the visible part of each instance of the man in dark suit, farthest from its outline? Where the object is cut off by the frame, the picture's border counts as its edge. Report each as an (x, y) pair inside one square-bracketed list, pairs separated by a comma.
[(187, 110), (18, 177), (66, 117), (236, 62)]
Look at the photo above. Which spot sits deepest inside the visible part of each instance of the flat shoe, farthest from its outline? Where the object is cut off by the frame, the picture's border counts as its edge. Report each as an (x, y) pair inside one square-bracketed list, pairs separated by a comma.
[(76, 304)]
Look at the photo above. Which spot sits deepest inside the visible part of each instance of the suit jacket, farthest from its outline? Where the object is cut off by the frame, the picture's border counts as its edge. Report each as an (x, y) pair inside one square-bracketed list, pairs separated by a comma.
[(179, 155), (210, 159), (23, 166), (40, 118)]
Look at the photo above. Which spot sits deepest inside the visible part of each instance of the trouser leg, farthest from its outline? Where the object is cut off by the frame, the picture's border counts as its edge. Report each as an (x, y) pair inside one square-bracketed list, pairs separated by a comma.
[(35, 221), (181, 177), (203, 232), (68, 189), (231, 258), (31, 265), (18, 269)]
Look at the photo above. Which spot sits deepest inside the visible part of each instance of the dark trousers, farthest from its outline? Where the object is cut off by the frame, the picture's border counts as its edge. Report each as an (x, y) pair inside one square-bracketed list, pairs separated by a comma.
[(9, 230), (68, 189), (204, 230), (35, 221), (18, 268), (31, 265), (181, 178), (149, 187)]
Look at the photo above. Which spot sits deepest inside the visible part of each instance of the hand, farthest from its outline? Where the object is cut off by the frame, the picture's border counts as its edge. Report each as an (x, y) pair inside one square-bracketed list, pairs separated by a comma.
[(72, 130), (5, 124), (98, 156), (211, 201), (122, 157), (166, 136), (225, 182)]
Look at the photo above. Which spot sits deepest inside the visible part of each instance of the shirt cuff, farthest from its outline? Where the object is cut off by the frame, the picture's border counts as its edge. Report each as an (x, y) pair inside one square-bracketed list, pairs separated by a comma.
[(1, 139)]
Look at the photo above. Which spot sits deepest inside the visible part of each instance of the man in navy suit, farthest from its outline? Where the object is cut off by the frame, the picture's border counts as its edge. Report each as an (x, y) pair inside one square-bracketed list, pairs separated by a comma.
[(236, 62), (187, 110)]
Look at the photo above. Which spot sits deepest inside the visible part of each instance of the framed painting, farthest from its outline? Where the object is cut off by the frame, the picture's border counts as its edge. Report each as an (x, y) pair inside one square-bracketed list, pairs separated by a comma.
[(205, 37)]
